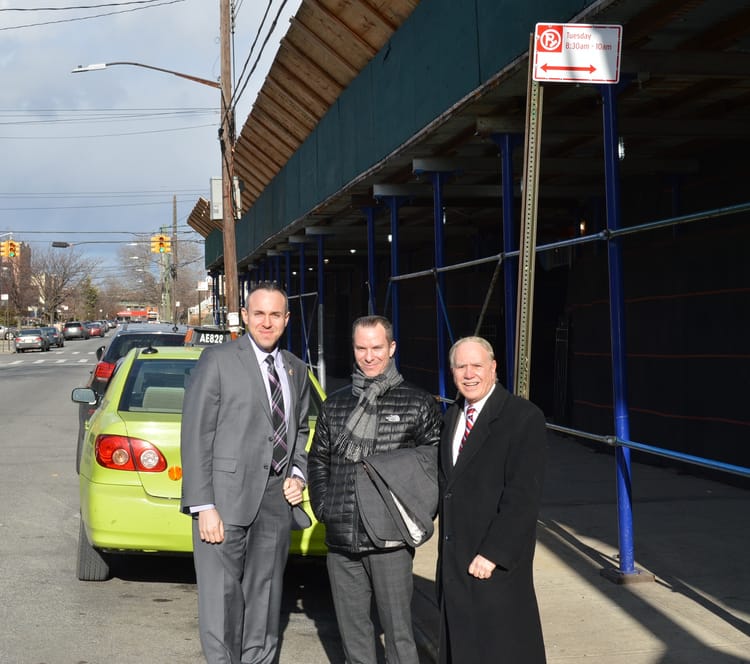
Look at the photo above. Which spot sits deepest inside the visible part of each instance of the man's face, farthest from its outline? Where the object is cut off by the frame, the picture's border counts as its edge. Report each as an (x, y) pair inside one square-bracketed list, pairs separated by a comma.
[(265, 317), (473, 371), (372, 350)]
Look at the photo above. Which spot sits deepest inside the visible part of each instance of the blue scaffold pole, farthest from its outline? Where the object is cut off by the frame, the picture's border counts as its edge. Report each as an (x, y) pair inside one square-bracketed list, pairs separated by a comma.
[(369, 213), (617, 332), (507, 142), (438, 180)]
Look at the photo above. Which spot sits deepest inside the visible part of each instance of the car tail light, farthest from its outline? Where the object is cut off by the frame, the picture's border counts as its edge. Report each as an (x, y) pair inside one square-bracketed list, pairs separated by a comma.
[(104, 370), (124, 453)]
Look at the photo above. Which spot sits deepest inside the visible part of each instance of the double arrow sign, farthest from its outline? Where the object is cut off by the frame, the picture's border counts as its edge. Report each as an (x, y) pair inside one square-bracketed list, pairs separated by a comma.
[(577, 52)]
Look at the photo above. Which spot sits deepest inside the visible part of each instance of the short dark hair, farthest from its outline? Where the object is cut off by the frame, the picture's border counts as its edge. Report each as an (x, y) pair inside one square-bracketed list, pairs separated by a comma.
[(372, 321), (269, 286)]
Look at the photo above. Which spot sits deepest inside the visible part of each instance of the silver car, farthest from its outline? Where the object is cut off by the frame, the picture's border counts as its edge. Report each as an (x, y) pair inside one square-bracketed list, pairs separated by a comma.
[(31, 339)]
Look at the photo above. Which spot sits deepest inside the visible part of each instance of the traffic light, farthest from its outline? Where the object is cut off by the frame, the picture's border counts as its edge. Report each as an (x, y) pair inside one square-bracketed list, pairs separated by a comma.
[(4, 249), (160, 244), (12, 249)]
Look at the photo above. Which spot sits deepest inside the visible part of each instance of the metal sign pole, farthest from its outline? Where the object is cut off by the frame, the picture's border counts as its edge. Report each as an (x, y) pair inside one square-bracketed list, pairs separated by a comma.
[(527, 247)]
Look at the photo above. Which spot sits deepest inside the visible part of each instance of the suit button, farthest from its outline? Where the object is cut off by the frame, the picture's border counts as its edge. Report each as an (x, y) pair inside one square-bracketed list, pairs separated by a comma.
[(447, 538), (448, 496)]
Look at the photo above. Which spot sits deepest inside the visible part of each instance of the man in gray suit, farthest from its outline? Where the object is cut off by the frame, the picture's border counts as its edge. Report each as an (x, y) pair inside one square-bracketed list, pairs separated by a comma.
[(244, 431)]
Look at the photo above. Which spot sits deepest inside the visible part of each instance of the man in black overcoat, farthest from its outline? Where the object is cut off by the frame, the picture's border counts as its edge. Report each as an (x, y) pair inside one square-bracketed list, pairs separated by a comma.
[(491, 467)]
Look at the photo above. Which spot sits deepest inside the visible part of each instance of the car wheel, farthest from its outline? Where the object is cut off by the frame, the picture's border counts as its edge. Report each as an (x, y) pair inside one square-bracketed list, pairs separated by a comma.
[(91, 563)]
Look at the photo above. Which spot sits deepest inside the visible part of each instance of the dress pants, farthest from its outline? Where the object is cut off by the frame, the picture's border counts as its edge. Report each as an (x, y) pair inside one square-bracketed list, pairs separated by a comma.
[(354, 580), (240, 584)]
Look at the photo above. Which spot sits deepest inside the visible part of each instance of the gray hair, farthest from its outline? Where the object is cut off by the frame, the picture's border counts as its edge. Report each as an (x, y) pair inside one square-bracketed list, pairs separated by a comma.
[(477, 340)]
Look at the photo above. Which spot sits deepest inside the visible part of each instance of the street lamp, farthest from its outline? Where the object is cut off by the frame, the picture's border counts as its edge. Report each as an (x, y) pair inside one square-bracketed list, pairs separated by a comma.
[(103, 65), (226, 141)]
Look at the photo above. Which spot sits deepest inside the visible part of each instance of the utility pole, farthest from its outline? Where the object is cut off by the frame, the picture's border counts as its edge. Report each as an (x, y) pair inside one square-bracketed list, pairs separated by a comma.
[(226, 139), (173, 266), (165, 307)]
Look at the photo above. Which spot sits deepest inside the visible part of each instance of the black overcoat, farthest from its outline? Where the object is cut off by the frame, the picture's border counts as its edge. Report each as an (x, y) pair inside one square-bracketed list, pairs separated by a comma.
[(489, 504)]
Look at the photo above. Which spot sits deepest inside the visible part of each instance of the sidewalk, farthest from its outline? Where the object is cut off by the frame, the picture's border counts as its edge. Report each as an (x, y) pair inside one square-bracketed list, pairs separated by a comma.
[(691, 536)]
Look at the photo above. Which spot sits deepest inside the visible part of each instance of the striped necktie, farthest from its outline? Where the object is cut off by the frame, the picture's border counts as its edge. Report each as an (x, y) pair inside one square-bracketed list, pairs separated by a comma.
[(277, 417), (470, 412)]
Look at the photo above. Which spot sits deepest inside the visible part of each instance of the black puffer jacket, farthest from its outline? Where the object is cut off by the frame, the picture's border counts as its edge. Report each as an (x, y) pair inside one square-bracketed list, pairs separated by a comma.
[(407, 416)]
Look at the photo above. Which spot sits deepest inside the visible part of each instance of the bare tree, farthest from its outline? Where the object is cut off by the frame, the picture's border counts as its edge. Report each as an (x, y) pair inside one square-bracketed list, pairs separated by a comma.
[(58, 275), (189, 270), (140, 276), (144, 277)]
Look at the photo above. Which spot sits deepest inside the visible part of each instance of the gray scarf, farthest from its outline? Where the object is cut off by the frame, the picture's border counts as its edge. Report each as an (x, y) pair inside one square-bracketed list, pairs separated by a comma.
[(357, 440)]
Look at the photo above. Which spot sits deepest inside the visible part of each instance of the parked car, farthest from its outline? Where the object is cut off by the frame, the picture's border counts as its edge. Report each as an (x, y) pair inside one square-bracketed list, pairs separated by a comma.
[(7, 333), (130, 471), (104, 325), (75, 330), (56, 337), (31, 339), (127, 337), (95, 329)]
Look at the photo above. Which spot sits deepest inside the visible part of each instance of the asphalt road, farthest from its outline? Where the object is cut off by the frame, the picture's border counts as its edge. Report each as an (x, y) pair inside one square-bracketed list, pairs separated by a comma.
[(146, 613)]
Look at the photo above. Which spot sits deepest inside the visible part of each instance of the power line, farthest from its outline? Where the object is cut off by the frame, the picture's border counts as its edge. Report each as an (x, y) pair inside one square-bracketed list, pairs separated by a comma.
[(86, 18), (87, 207), (97, 6), (101, 194), (237, 94), (115, 135)]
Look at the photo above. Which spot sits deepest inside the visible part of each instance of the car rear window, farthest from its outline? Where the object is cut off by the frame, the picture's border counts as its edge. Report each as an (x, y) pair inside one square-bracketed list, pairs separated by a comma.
[(156, 386), (124, 343)]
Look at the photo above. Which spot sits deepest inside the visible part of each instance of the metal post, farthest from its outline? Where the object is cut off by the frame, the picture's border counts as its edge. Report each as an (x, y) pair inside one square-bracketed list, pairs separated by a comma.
[(617, 332), (216, 298), (438, 180), (369, 213), (506, 143), (288, 268), (302, 287), (321, 317), (393, 203)]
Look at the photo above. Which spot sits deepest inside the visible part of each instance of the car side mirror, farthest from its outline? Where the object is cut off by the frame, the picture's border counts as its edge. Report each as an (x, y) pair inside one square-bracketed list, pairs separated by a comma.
[(83, 395)]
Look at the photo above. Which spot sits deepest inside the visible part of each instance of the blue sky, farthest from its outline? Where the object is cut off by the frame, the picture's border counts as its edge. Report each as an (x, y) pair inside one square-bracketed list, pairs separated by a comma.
[(95, 158)]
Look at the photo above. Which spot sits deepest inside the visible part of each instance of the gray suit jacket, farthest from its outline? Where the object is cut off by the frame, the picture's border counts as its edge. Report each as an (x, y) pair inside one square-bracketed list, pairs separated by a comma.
[(226, 439)]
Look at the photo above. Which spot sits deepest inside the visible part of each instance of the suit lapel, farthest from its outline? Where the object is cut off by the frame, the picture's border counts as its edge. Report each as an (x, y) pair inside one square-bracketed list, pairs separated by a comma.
[(246, 356), (479, 436), (293, 395), (446, 443)]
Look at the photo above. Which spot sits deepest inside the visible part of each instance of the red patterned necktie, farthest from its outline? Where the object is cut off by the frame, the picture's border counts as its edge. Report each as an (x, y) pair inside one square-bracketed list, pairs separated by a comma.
[(277, 416), (470, 412)]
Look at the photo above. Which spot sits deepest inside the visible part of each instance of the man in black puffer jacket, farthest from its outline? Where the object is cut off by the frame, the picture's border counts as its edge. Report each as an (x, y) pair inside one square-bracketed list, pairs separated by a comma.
[(377, 414)]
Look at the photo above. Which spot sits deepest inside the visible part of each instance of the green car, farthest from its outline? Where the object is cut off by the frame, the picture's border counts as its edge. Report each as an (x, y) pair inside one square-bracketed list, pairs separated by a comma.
[(130, 473)]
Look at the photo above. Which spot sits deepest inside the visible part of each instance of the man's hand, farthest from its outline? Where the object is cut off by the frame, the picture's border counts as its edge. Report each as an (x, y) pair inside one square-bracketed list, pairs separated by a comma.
[(293, 488), (481, 568), (210, 526)]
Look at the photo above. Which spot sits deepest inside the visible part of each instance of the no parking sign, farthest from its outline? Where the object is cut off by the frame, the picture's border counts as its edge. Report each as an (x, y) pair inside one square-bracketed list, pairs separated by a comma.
[(577, 52)]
